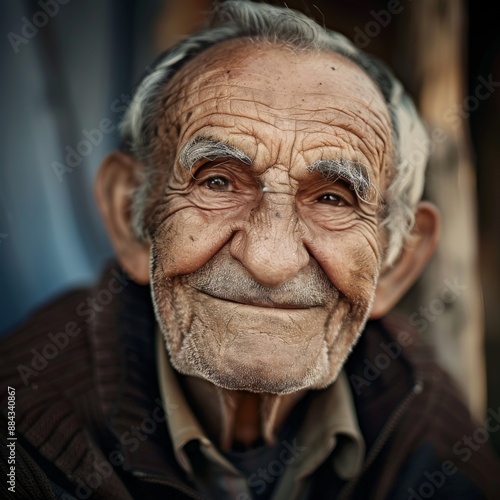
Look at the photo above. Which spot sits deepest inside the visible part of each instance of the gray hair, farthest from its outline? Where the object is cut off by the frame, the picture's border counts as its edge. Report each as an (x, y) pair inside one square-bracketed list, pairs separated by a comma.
[(240, 18)]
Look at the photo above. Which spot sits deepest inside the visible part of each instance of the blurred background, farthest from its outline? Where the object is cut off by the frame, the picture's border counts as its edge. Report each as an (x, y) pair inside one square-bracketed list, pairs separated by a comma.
[(70, 67)]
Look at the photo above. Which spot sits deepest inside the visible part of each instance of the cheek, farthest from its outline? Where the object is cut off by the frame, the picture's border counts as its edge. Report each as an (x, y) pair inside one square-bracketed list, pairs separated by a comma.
[(188, 239), (350, 259)]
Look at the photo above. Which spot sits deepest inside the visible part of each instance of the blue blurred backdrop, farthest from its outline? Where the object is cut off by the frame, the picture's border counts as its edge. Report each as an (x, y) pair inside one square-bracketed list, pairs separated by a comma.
[(68, 68)]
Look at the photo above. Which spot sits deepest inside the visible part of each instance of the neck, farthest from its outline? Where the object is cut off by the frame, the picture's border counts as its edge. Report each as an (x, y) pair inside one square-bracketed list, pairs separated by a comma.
[(238, 418)]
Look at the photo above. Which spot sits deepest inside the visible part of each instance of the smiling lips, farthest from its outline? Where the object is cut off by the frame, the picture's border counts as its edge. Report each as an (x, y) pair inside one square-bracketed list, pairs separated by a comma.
[(263, 301), (224, 277)]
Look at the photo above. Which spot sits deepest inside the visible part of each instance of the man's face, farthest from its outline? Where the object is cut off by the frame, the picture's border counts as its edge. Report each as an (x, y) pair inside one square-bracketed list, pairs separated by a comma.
[(264, 257)]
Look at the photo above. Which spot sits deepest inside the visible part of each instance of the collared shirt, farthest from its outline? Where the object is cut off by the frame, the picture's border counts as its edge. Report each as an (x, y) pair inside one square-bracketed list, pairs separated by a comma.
[(329, 430)]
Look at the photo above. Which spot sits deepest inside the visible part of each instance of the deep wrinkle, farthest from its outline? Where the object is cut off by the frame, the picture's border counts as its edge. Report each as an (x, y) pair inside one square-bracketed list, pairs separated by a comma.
[(242, 157), (206, 148)]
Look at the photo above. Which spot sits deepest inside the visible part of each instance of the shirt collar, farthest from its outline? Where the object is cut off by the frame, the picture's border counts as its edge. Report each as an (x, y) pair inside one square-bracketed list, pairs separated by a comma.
[(330, 424), (182, 424)]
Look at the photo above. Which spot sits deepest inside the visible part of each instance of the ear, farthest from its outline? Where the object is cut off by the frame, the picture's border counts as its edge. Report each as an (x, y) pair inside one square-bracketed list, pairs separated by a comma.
[(396, 280), (116, 179)]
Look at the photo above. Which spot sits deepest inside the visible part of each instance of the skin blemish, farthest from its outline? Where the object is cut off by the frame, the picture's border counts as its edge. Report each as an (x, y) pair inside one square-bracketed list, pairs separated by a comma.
[(239, 251), (333, 68)]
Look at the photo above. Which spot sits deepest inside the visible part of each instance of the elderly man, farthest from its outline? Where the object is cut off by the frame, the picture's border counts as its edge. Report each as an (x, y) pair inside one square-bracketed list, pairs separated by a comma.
[(260, 210)]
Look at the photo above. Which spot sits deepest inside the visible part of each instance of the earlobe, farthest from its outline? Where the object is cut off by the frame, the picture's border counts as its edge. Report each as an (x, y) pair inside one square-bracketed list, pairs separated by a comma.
[(118, 176), (396, 280)]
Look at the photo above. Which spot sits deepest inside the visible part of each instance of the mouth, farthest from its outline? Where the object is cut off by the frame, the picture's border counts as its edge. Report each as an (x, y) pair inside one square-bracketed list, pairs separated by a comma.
[(226, 279), (261, 301)]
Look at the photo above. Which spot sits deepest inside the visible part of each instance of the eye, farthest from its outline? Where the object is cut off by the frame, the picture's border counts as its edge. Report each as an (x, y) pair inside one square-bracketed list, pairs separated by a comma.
[(217, 183), (332, 199)]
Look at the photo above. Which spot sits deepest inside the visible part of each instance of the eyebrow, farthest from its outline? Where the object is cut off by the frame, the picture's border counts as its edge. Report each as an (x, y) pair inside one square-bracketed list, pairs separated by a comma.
[(205, 148), (355, 173)]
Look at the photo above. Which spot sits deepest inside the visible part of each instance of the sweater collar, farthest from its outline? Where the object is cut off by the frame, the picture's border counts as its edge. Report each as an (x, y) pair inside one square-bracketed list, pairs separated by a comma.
[(131, 396)]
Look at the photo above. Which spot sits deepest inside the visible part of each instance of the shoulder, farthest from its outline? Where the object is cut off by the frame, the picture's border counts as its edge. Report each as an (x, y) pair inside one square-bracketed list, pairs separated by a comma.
[(448, 448), (61, 368), (48, 339), (61, 337), (51, 359)]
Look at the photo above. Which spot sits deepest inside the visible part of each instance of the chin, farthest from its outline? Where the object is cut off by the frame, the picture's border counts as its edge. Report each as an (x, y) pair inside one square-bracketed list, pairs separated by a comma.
[(255, 360), (245, 347), (242, 369)]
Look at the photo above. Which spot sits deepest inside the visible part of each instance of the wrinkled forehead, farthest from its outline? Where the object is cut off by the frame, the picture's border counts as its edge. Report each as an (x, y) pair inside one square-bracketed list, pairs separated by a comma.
[(241, 61), (291, 83)]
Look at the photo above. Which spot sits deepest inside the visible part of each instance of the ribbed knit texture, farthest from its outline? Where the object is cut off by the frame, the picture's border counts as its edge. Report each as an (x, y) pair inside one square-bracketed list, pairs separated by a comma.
[(81, 409)]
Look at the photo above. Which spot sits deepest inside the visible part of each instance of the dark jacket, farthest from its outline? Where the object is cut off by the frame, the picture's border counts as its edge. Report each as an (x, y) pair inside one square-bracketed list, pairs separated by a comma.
[(90, 422)]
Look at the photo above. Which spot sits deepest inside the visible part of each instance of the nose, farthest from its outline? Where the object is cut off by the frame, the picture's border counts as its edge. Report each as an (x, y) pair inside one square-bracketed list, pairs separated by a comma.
[(270, 245)]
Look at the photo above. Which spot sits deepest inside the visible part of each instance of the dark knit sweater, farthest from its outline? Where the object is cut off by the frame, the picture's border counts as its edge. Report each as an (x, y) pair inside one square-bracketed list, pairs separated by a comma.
[(90, 422)]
